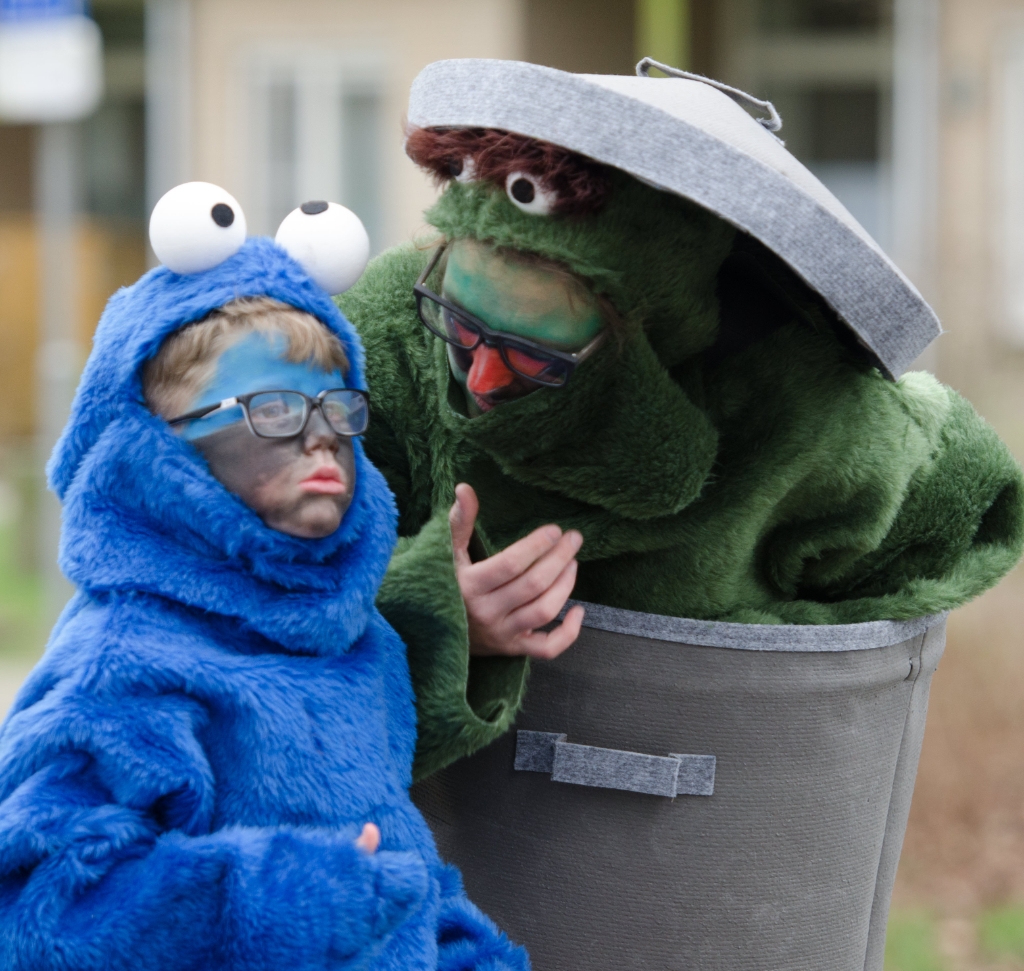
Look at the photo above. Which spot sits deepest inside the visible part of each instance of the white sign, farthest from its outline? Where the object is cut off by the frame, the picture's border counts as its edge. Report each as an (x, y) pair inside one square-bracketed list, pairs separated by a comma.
[(51, 69)]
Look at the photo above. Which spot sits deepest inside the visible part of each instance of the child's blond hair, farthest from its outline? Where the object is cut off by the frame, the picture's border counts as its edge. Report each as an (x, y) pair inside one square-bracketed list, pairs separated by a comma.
[(187, 360)]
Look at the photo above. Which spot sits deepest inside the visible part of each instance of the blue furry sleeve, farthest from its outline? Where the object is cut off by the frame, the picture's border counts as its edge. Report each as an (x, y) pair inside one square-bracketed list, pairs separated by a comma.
[(101, 868), (468, 940)]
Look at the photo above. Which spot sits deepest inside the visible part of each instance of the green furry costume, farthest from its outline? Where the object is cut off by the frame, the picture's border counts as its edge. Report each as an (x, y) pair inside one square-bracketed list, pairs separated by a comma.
[(775, 479)]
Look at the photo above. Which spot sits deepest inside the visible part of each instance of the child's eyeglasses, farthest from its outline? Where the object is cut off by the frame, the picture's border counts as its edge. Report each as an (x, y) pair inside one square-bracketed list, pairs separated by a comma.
[(284, 414), (541, 365)]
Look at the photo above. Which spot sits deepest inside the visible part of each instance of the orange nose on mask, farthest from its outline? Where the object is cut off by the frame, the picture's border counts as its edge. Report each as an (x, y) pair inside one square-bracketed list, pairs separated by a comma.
[(488, 371)]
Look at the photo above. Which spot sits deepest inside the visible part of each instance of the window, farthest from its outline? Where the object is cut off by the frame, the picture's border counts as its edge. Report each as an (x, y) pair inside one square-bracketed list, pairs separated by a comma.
[(315, 133), (827, 67), (824, 15)]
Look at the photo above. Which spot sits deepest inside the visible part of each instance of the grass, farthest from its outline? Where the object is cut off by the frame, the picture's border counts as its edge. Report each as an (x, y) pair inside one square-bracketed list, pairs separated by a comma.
[(992, 941), (1001, 933), (21, 589), (21, 601), (911, 943)]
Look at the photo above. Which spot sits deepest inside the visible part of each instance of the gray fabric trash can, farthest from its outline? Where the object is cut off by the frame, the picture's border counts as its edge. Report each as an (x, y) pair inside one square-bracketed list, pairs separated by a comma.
[(792, 751)]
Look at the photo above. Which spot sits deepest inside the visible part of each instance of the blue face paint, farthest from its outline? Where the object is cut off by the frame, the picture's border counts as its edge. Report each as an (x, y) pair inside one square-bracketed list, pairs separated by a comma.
[(255, 363)]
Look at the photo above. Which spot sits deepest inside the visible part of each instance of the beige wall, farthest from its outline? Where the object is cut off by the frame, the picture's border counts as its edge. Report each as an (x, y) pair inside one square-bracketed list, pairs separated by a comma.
[(407, 34), (972, 355)]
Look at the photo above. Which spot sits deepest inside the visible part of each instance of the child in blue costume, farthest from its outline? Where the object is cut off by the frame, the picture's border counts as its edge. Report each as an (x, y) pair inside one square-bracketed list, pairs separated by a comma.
[(221, 710)]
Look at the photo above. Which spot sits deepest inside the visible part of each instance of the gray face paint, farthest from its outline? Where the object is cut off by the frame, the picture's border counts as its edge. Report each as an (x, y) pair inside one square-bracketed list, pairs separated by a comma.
[(301, 486), (290, 483)]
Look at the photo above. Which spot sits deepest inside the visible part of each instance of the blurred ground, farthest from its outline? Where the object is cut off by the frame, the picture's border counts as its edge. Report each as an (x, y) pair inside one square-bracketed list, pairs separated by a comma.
[(965, 843), (959, 898), (12, 673)]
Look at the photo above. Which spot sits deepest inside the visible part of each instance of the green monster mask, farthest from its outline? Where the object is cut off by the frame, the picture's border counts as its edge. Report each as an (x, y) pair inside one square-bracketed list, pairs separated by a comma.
[(654, 257), (532, 302), (527, 301)]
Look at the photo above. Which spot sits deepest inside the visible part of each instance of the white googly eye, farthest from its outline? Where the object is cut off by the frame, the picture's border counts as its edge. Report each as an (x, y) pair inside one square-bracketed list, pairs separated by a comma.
[(328, 241), (195, 226), (467, 170), (527, 193)]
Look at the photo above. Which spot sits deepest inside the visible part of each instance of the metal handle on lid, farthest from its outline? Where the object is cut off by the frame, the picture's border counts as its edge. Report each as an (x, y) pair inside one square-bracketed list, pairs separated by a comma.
[(606, 768), (774, 120)]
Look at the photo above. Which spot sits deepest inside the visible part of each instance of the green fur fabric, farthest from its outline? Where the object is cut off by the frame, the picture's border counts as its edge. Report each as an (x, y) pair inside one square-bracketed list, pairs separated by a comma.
[(788, 482)]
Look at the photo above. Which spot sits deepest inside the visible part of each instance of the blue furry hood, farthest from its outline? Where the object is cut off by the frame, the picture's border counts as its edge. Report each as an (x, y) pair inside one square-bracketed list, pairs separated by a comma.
[(142, 513)]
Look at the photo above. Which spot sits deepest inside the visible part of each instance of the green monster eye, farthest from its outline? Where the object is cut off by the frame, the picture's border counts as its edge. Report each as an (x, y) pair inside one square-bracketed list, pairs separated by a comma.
[(463, 169), (528, 194)]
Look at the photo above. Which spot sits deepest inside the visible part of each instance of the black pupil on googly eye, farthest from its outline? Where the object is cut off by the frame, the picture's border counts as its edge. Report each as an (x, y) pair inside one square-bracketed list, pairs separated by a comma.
[(523, 191), (455, 167), (223, 215), (314, 207)]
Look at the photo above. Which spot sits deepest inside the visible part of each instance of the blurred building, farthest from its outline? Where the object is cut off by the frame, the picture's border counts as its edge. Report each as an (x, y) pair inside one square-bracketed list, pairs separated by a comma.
[(110, 193), (912, 111)]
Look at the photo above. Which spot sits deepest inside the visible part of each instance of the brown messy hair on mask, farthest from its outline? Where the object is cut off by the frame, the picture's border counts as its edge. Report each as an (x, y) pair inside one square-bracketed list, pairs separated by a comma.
[(579, 184), (187, 360)]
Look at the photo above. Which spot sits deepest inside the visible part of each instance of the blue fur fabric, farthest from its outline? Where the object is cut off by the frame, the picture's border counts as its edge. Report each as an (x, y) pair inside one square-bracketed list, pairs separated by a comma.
[(219, 710)]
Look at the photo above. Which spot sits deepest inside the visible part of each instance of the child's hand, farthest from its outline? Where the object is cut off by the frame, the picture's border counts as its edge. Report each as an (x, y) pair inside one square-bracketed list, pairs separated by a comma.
[(369, 838), (509, 595), (372, 891)]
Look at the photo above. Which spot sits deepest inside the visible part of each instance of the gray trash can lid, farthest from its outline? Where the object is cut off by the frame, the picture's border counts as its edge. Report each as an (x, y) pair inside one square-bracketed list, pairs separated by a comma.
[(685, 136)]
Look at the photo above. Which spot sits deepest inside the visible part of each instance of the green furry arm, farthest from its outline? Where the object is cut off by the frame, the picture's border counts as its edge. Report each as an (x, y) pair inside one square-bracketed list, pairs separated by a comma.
[(463, 703), (959, 529), (937, 519)]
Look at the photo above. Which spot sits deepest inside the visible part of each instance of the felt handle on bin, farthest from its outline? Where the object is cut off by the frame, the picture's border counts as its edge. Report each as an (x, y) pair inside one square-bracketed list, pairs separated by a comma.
[(607, 768)]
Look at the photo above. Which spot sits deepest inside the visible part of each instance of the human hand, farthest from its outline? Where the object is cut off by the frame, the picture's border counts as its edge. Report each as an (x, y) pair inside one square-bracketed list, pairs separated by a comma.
[(509, 595), (326, 884), (373, 894)]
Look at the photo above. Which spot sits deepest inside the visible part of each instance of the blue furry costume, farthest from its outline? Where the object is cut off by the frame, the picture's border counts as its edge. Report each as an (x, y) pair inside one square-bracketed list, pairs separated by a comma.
[(220, 708)]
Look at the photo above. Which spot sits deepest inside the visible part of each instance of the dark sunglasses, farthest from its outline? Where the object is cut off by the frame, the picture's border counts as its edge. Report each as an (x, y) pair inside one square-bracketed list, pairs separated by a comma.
[(285, 414), (459, 328)]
